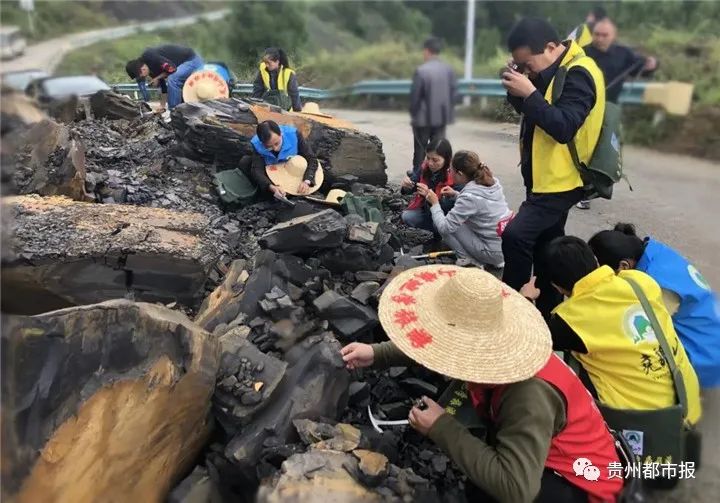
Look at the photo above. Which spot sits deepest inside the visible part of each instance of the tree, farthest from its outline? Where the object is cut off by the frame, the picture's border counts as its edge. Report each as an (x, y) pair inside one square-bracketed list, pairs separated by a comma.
[(258, 25)]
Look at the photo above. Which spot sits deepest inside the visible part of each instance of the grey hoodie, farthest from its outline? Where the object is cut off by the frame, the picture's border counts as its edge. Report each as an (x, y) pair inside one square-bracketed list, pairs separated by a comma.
[(477, 211)]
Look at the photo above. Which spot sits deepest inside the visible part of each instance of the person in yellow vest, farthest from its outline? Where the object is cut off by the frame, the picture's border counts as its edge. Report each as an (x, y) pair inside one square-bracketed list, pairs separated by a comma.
[(276, 82), (605, 327), (583, 33), (553, 184)]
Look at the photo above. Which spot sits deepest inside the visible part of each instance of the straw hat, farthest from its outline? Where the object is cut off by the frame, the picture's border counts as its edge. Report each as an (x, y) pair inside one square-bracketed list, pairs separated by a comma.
[(333, 198), (465, 324), (314, 109), (205, 85), (288, 175)]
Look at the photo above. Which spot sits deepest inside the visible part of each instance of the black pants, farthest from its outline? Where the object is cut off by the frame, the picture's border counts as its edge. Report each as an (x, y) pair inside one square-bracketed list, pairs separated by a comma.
[(540, 219), (421, 137), (553, 489)]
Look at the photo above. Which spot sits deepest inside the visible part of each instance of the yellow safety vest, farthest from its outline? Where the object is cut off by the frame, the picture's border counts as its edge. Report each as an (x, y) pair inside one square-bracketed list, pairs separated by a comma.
[(582, 35), (624, 360), (283, 77), (553, 169)]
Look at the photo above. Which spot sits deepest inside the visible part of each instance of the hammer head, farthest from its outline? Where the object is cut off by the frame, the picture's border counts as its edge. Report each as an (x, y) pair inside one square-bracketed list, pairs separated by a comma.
[(373, 421)]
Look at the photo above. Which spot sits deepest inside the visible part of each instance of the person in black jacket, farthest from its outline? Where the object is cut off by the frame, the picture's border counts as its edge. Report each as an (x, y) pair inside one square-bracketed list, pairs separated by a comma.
[(276, 82), (551, 181), (168, 66)]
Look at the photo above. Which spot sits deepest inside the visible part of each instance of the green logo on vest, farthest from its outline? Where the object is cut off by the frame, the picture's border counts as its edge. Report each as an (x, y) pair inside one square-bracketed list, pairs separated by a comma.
[(637, 325), (697, 277)]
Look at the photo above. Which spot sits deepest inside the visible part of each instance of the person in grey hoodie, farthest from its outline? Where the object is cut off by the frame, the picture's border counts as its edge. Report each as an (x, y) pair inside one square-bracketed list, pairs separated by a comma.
[(474, 226)]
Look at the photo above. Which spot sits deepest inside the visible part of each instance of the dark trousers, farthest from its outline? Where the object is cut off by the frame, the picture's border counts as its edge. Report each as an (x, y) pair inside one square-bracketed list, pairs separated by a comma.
[(553, 489), (422, 135), (540, 219)]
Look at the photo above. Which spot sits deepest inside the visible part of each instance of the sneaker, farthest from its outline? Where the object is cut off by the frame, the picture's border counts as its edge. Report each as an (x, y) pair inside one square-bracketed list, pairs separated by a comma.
[(467, 262), (584, 204)]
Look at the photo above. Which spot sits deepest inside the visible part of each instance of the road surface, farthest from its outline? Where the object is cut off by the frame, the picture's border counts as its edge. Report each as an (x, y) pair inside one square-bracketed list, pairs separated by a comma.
[(48, 54), (675, 199)]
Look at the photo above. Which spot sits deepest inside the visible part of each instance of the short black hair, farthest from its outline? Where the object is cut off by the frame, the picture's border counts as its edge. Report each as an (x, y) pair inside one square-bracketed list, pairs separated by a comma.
[(567, 260), (532, 32), (265, 129), (434, 45), (598, 12), (133, 68)]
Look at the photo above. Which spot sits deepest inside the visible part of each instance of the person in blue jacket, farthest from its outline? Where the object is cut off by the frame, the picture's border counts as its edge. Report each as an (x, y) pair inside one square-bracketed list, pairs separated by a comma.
[(690, 300)]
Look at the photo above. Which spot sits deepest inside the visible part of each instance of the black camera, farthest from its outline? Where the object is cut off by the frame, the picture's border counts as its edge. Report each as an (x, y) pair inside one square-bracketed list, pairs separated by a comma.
[(518, 67)]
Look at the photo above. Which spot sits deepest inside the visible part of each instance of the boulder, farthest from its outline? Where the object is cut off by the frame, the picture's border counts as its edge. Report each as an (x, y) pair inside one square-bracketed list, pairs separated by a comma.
[(68, 253), (219, 131), (57, 162), (306, 234), (103, 402), (113, 106), (315, 385)]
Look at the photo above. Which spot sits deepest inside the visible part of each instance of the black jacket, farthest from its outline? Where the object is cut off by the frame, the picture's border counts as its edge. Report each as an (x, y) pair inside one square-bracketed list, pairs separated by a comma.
[(613, 62), (166, 58)]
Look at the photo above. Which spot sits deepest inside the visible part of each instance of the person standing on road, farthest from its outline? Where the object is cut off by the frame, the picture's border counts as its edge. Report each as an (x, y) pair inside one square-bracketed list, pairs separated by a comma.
[(552, 182), (276, 82), (617, 63), (168, 66), (582, 34), (432, 101)]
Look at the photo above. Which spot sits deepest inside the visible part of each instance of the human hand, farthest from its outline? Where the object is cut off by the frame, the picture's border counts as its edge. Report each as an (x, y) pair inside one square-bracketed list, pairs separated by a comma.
[(448, 192), (357, 355), (422, 189), (423, 420), (304, 187), (517, 84), (529, 290), (277, 190), (160, 110), (406, 183), (431, 197)]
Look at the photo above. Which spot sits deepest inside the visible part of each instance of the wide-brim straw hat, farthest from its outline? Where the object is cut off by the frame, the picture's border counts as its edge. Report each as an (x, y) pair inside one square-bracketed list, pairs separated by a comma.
[(205, 85), (465, 323), (313, 108), (288, 175)]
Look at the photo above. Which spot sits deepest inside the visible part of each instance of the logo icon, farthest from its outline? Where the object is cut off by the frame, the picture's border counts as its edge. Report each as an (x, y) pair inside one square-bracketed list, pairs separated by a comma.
[(635, 440), (637, 325), (697, 278), (583, 467)]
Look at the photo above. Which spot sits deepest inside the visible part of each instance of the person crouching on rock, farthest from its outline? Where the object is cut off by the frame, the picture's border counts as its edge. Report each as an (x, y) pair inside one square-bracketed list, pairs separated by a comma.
[(168, 66), (283, 162), (475, 223), (435, 176), (467, 325)]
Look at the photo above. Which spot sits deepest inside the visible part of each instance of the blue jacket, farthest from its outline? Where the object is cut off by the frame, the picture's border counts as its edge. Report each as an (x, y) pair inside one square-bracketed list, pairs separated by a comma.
[(288, 148), (697, 320)]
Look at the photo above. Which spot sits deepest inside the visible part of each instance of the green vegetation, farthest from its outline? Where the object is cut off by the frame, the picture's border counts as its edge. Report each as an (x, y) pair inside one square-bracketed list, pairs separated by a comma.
[(337, 43)]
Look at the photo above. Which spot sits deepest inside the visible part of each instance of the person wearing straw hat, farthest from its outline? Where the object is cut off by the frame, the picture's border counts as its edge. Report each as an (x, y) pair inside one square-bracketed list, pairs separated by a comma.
[(283, 162), (604, 326), (467, 325)]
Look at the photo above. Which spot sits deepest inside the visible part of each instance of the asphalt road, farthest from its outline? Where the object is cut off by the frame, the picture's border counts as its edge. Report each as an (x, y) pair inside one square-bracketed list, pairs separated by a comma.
[(675, 199), (48, 54)]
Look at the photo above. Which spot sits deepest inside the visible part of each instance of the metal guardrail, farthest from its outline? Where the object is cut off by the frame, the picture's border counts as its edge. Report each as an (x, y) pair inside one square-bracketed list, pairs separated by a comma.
[(632, 93)]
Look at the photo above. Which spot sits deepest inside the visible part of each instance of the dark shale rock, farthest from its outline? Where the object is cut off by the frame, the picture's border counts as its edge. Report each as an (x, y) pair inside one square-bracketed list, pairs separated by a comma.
[(325, 229)]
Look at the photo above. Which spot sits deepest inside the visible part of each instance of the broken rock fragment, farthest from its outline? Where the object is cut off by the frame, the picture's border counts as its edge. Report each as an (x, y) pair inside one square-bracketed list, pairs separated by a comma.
[(347, 317), (325, 229), (103, 400)]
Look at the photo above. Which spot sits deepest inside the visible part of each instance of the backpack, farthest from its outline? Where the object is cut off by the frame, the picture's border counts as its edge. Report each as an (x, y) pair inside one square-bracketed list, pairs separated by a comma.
[(234, 188), (604, 169), (368, 207)]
